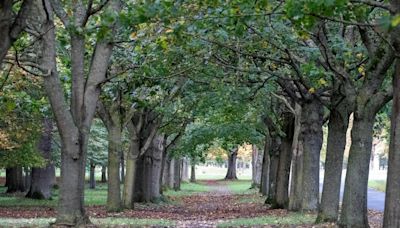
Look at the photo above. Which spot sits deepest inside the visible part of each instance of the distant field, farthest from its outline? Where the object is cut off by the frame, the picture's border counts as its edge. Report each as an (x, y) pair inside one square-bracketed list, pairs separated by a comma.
[(217, 173)]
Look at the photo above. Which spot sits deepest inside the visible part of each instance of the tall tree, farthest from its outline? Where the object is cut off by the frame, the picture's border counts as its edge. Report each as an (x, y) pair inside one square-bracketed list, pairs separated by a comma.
[(74, 119)]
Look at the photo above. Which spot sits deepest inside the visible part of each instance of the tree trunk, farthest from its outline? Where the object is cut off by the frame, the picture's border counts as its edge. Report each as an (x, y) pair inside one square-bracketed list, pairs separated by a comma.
[(103, 174), (296, 185), (392, 203), (295, 193), (254, 165), (73, 119), (15, 180), (129, 184), (114, 156), (122, 167), (166, 172), (27, 178), (163, 164), (354, 209), (8, 176), (193, 173), (177, 174), (337, 128), (43, 178), (264, 185), (156, 169), (311, 136), (285, 159), (71, 209), (147, 187), (273, 170), (92, 176), (232, 158), (185, 170)]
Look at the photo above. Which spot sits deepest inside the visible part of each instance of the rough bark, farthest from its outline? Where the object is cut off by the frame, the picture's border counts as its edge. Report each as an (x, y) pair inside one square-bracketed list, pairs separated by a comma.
[(337, 129), (114, 154), (142, 128), (185, 170), (273, 169), (193, 173), (311, 136), (285, 159), (296, 185), (43, 178), (147, 186), (171, 173), (264, 185), (295, 193), (112, 120), (177, 174), (232, 158), (163, 162), (255, 165), (369, 101), (92, 176), (354, 209), (15, 180), (392, 203), (129, 183)]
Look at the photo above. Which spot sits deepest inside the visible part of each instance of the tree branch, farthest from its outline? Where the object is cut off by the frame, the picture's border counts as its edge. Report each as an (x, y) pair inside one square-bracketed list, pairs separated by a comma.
[(60, 12), (374, 4)]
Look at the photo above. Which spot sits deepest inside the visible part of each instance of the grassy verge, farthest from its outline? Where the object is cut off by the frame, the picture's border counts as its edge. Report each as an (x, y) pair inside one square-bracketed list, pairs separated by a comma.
[(93, 197), (379, 185), (102, 222), (290, 219)]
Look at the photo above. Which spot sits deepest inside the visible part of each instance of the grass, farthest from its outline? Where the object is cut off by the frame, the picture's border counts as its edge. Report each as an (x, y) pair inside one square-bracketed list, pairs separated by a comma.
[(102, 222), (379, 185), (289, 219), (188, 189), (93, 197), (240, 187)]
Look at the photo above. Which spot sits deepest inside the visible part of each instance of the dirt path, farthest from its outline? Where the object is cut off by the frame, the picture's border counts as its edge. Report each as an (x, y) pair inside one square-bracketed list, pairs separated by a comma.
[(212, 205)]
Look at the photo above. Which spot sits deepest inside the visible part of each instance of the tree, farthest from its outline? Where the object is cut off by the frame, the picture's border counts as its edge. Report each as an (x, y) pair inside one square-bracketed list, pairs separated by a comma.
[(74, 120), (232, 157), (43, 179)]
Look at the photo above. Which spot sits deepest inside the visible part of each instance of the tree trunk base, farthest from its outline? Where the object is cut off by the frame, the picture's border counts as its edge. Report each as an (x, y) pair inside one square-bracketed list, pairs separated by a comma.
[(322, 218), (72, 221)]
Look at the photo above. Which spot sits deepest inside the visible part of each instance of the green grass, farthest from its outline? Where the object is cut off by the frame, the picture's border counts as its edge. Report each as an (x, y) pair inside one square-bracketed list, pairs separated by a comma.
[(93, 197), (188, 189), (379, 185), (97, 196), (290, 219), (102, 222), (240, 187)]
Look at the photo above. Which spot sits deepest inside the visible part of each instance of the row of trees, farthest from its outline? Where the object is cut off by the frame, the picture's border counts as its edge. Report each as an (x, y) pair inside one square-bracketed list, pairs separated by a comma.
[(172, 79)]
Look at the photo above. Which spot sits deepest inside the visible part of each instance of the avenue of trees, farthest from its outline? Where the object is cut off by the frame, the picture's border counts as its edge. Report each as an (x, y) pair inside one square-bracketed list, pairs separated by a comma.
[(146, 89)]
